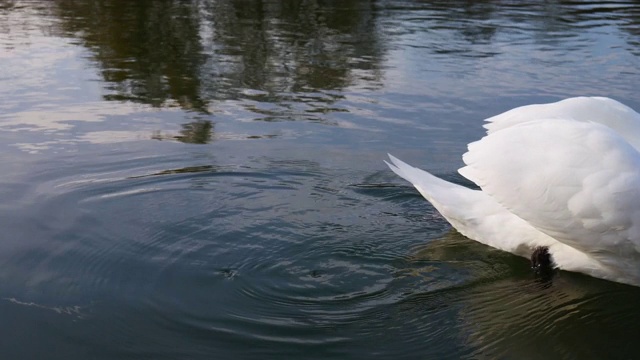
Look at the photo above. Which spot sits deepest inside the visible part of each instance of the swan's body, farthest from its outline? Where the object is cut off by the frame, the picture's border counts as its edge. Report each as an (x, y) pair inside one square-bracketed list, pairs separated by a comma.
[(565, 176)]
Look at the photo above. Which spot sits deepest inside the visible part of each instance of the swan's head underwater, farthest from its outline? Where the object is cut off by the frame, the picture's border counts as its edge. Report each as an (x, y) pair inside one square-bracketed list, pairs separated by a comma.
[(541, 261)]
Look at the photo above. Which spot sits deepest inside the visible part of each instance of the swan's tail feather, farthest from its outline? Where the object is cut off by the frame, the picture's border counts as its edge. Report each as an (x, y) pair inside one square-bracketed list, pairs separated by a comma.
[(439, 192), (471, 212)]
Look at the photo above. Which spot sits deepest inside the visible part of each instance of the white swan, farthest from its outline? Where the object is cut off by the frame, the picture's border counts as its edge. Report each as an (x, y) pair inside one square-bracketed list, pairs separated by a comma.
[(563, 176)]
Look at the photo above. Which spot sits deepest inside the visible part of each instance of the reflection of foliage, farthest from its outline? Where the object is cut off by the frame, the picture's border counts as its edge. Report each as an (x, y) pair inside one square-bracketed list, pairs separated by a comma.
[(196, 132), (149, 51), (296, 46), (294, 56), (190, 53), (7, 4)]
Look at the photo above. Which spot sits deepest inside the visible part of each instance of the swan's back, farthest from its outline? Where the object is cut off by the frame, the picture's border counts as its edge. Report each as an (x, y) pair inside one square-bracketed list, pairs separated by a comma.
[(570, 169), (611, 113), (577, 182)]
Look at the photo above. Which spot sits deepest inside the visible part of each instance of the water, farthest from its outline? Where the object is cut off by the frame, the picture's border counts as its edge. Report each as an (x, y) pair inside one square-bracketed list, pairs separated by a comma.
[(205, 179)]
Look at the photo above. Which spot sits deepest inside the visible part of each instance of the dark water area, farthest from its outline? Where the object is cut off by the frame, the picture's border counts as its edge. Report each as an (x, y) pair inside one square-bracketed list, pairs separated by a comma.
[(204, 179)]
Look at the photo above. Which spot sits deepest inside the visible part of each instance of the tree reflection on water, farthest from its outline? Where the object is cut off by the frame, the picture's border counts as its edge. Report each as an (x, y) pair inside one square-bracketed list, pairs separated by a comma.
[(195, 132), (293, 60), (190, 54)]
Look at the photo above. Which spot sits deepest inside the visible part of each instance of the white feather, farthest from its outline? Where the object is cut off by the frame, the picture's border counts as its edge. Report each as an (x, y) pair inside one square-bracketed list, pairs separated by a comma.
[(564, 175)]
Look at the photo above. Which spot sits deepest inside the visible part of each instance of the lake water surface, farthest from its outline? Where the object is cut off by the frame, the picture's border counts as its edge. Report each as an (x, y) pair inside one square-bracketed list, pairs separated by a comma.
[(204, 179)]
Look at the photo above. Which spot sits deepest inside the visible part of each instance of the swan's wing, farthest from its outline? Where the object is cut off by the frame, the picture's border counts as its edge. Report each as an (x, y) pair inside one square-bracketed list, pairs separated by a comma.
[(611, 113), (578, 182)]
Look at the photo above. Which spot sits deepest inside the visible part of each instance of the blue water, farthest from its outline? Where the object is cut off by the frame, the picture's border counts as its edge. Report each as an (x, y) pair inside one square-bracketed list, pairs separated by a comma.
[(196, 180)]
